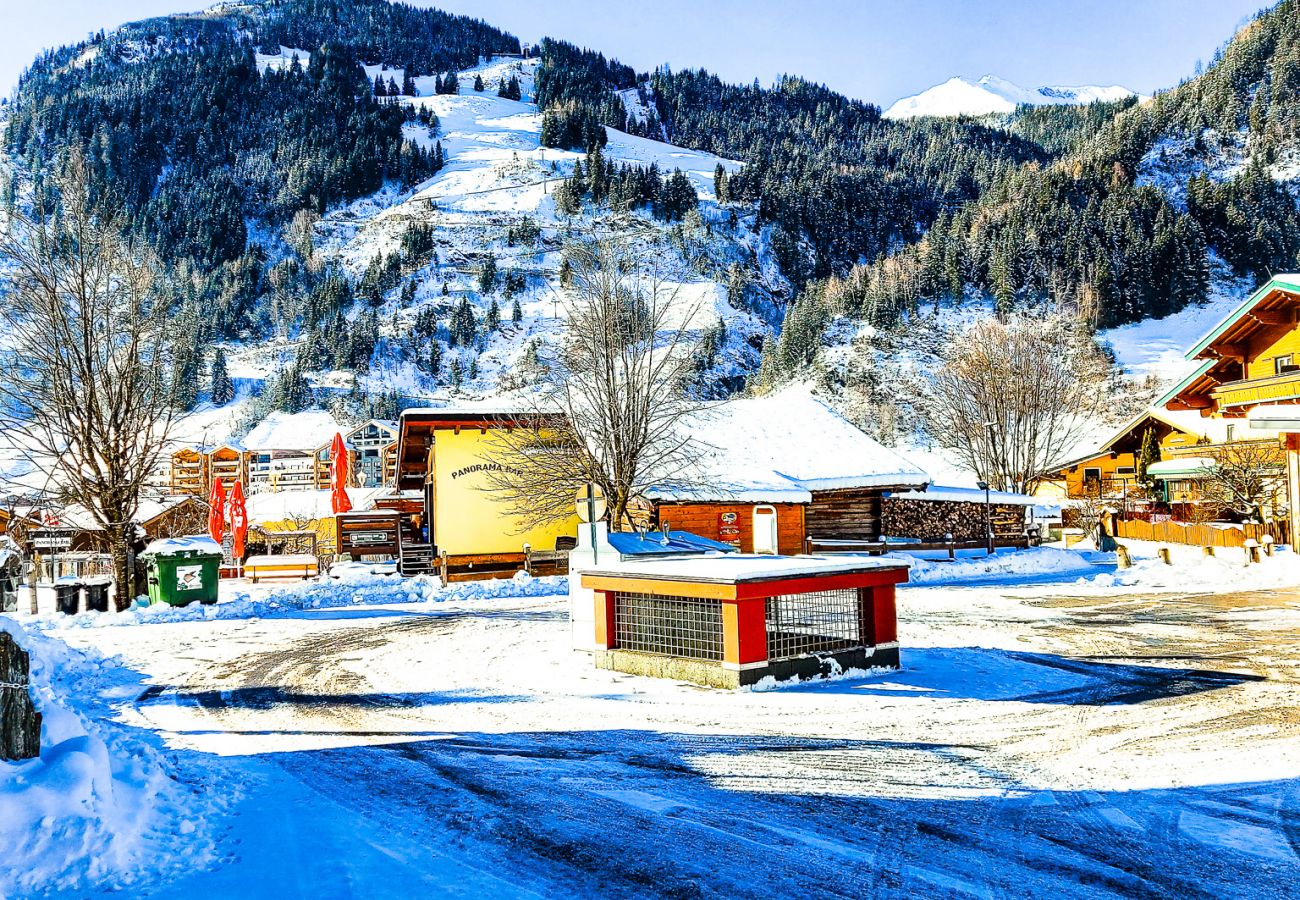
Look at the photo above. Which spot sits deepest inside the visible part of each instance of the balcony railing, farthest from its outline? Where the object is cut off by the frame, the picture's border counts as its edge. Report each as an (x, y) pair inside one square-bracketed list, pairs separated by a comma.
[(1258, 390)]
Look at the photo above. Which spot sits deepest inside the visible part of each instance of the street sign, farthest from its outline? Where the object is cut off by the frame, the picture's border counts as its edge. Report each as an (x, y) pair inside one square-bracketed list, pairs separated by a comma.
[(51, 540), (590, 503)]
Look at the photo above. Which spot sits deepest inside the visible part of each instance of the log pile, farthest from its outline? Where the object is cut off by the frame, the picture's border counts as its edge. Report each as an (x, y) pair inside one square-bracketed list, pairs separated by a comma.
[(20, 723), (930, 520)]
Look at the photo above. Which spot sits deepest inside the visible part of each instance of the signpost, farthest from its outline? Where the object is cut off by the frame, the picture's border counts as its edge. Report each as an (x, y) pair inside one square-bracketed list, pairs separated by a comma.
[(591, 506)]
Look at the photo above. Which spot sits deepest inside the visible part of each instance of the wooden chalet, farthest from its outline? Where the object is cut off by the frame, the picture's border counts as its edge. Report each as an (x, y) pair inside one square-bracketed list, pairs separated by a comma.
[(776, 472), (1246, 380), (1110, 470), (445, 514)]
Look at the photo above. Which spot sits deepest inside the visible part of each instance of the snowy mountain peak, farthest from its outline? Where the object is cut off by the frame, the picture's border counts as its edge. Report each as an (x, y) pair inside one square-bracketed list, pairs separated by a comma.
[(992, 95)]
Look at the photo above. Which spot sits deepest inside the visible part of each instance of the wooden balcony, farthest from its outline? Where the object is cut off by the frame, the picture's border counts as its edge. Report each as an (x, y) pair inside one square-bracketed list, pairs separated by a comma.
[(1252, 391)]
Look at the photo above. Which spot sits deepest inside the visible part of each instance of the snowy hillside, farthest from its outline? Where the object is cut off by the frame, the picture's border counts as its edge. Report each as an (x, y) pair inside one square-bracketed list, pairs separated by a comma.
[(494, 198), (993, 95)]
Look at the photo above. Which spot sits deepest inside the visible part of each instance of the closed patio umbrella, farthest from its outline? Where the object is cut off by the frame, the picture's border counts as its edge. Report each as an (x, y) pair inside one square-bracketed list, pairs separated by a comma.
[(339, 499), (217, 511)]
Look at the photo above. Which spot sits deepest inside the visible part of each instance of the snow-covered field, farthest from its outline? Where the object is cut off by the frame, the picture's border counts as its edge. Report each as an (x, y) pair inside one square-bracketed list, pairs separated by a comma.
[(1092, 733)]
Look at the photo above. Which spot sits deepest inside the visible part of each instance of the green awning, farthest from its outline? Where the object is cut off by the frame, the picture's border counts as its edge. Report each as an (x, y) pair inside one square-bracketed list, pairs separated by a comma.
[(1185, 467)]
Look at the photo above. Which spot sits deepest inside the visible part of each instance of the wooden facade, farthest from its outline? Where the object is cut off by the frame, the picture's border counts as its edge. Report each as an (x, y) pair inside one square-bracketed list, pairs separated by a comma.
[(1112, 471), (714, 521), (853, 514)]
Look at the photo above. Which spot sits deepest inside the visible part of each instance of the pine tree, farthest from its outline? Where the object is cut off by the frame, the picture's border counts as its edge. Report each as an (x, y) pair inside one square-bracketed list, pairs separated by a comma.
[(1148, 454), (487, 276), (451, 85), (493, 321), (434, 364), (478, 82), (455, 373), (473, 369), (223, 389), (516, 313), (720, 183)]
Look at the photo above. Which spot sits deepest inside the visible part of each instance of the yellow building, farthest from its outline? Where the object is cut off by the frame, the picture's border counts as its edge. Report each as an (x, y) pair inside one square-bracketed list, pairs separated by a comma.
[(446, 456), (1247, 381), (1111, 470)]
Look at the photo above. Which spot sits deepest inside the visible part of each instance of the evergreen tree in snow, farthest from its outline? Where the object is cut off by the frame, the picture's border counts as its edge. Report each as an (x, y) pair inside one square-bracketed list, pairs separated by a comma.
[(456, 373), (516, 312), (478, 83), (487, 276), (493, 320), (223, 389)]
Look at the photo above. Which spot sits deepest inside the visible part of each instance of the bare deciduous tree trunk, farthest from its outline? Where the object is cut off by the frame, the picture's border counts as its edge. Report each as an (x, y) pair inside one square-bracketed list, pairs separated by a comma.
[(1014, 396), (82, 394)]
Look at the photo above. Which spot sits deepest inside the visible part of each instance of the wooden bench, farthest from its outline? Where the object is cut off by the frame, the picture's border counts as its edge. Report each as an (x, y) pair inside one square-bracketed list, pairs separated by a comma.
[(295, 565)]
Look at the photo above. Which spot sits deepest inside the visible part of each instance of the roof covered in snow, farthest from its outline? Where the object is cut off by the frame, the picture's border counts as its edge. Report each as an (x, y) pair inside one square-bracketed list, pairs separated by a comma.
[(780, 448), (304, 431), (280, 506), (966, 495)]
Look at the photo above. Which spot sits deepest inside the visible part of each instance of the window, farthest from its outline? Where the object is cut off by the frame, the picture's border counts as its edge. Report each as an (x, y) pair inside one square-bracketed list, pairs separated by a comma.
[(1125, 470), (1231, 429), (1284, 364), (1092, 474)]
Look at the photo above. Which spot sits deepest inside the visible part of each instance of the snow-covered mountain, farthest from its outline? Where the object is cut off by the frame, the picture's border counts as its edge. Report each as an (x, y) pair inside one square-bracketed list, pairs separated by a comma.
[(991, 95)]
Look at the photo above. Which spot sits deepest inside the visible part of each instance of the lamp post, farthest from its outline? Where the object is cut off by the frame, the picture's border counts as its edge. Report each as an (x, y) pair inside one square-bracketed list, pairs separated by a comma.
[(988, 517)]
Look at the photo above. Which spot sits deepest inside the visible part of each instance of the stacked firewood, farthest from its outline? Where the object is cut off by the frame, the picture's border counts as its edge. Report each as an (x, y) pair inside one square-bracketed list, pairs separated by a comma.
[(930, 520)]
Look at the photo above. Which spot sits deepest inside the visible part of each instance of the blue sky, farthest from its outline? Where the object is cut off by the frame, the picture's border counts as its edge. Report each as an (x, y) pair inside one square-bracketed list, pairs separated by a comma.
[(876, 50)]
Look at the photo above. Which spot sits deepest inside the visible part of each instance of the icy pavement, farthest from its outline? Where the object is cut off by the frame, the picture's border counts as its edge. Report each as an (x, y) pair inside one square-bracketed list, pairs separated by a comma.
[(1078, 739)]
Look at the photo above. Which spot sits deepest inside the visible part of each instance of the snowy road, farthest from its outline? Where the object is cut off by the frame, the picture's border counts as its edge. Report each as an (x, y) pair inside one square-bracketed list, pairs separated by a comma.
[(1037, 741)]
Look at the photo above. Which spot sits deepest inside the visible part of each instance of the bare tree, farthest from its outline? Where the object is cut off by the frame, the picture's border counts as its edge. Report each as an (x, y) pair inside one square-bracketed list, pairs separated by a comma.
[(82, 392), (611, 405), (1246, 476), (1014, 396)]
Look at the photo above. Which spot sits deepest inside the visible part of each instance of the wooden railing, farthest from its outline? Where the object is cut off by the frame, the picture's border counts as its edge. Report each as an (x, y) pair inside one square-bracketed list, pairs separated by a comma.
[(1200, 535), (822, 546), (1258, 390)]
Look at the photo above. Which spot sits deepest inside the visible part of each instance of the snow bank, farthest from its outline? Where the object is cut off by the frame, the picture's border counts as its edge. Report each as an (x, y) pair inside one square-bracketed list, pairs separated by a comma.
[(102, 807), (1038, 561), (351, 590), (1226, 572)]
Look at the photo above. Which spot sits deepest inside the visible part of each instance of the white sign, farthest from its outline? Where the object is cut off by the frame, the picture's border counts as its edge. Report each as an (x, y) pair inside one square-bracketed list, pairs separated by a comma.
[(52, 541), (189, 578)]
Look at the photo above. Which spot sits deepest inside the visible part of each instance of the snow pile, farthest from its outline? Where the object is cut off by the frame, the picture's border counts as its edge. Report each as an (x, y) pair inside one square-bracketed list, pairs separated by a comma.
[(102, 806), (1038, 561), (1226, 572), (197, 543), (353, 589)]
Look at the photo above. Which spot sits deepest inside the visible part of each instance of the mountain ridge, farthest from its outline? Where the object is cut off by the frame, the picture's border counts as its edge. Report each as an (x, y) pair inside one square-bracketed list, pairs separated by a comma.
[(990, 95)]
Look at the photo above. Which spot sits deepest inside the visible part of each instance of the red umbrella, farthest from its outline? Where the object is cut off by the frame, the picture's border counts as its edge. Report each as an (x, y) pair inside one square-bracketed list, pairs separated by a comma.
[(339, 499), (217, 511), (238, 521)]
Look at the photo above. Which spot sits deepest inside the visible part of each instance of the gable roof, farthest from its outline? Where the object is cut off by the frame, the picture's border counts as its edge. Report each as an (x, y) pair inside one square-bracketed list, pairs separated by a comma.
[(1238, 323), (780, 448), (303, 431)]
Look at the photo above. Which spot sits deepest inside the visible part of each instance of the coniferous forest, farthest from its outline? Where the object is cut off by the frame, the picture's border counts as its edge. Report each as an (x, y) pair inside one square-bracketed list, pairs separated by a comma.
[(218, 165)]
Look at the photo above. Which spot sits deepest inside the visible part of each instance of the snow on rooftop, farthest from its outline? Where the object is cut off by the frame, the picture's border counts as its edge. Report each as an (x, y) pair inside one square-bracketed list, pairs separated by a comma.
[(730, 567), (281, 506), (965, 495), (781, 447), (293, 431)]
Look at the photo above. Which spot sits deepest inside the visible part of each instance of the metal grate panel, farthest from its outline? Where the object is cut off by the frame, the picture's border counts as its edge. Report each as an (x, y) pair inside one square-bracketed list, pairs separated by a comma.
[(669, 626), (821, 622)]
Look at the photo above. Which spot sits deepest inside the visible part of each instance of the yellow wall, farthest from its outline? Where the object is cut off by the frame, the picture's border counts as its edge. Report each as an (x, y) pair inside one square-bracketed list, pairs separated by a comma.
[(470, 519), (1264, 348)]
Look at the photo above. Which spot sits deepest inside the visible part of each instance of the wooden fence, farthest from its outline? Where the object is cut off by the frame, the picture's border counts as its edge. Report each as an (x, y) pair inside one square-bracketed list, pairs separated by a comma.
[(1170, 532)]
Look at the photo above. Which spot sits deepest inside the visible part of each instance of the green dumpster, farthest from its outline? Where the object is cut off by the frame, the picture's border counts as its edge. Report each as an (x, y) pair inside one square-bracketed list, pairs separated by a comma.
[(182, 570)]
